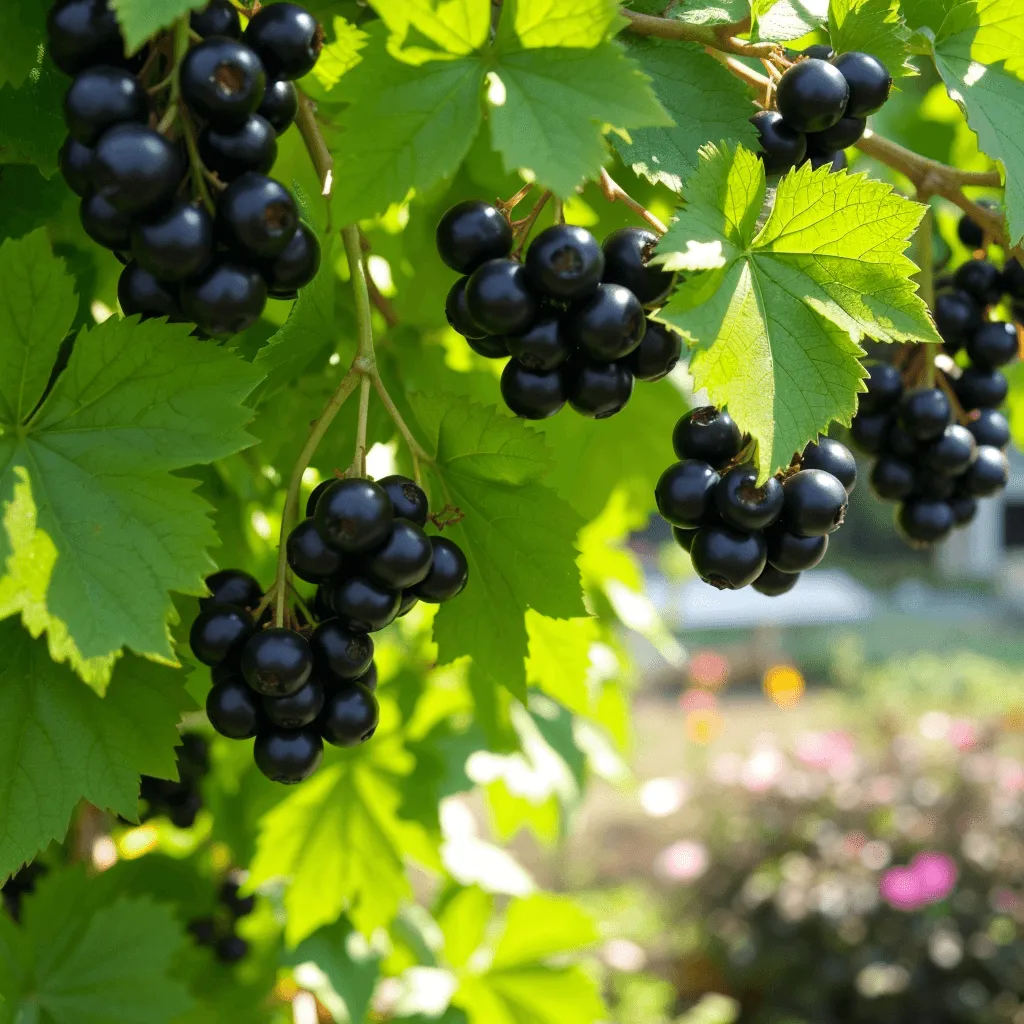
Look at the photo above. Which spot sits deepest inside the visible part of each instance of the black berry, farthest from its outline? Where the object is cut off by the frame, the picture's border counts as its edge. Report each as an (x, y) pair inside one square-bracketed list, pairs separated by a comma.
[(472, 233), (223, 81), (981, 389), (924, 521), (774, 583), (892, 479), (340, 653), (988, 474), (280, 105), (832, 457), (598, 389), (219, 18), (925, 413), (409, 601), (869, 81), (277, 662), (1013, 278), (782, 146), (233, 709), (684, 538), (815, 503), (101, 97), (229, 153), (230, 896), (934, 486), (708, 434), (364, 606), (981, 280), (957, 316), (834, 161), (902, 444), (990, 428), (82, 34), (868, 431), (843, 134), (532, 394), (103, 224), (369, 677), (232, 586), (491, 346), (993, 345), (565, 262), (296, 266), (298, 709), (964, 510), (457, 312), (140, 292), (407, 498), (288, 757), (350, 715), (610, 324), (176, 245), (226, 299), (627, 255), (257, 215), (287, 39), (220, 632), (499, 299), (543, 346), (403, 560), (728, 559), (812, 95), (76, 166), (822, 51), (354, 515), (791, 553), (969, 231), (308, 556), (745, 505), (316, 494), (449, 573), (950, 453), (657, 354), (685, 494), (136, 169)]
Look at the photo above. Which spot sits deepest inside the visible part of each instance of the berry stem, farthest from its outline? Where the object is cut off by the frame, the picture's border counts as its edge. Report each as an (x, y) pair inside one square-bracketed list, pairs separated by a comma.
[(522, 228), (359, 464), (315, 142), (417, 450), (669, 28), (195, 162), (508, 205), (615, 193), (365, 361)]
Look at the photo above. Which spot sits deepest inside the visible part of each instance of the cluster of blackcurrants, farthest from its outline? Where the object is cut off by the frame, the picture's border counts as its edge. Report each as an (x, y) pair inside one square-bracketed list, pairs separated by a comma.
[(218, 931), (823, 103), (364, 545), (20, 885), (741, 533), (571, 316), (180, 801), (142, 179)]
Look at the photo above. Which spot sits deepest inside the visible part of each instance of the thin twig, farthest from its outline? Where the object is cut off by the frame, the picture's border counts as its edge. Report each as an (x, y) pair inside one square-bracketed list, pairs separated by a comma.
[(361, 426), (615, 193), (670, 28), (506, 206), (522, 228)]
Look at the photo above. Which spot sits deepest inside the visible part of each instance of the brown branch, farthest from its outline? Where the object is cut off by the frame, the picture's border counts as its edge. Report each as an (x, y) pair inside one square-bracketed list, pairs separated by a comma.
[(706, 35), (615, 193)]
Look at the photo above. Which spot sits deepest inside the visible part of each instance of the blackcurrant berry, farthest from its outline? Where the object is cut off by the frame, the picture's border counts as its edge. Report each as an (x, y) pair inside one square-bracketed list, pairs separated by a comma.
[(83, 34), (782, 146), (822, 51), (233, 709), (685, 494), (296, 266), (969, 231), (340, 653), (745, 505), (981, 389), (316, 494), (286, 756), (471, 233), (227, 299), (449, 573), (364, 606), (280, 105), (815, 503), (76, 166), (791, 553), (287, 39), (833, 161), (597, 389), (925, 413), (350, 715), (964, 510), (232, 586), (103, 224), (627, 255), (251, 146), (565, 263), (543, 346), (892, 479), (403, 560), (609, 325), (902, 444), (832, 457), (277, 662), (812, 95), (100, 98), (957, 316), (176, 245), (491, 346), (223, 81), (136, 169), (950, 453), (990, 428), (532, 394), (183, 814), (774, 583), (684, 538), (987, 475), (1013, 278), (407, 498), (257, 216), (409, 601), (868, 431), (220, 632), (708, 434), (885, 388), (140, 292), (728, 559), (499, 299), (869, 81), (457, 312), (934, 486), (843, 134), (219, 18), (308, 556), (354, 515), (923, 521), (369, 677), (298, 709), (230, 896), (657, 354), (203, 930), (981, 280), (993, 345)]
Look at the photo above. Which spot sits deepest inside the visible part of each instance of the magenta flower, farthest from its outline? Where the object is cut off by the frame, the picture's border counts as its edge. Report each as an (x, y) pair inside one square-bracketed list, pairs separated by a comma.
[(929, 878), (900, 888)]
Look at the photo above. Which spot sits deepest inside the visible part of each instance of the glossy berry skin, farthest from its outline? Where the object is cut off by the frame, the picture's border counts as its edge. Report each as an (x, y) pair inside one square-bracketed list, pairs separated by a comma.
[(924, 521), (257, 216), (609, 325), (993, 345), (288, 757), (728, 559), (843, 134), (988, 474), (457, 312), (176, 245), (832, 457), (951, 453), (233, 709), (251, 146), (230, 897), (409, 601), (138, 291), (964, 510), (408, 499), (815, 503), (869, 81), (1013, 278), (103, 224), (499, 298), (885, 388), (82, 34), (316, 494), (449, 573), (892, 479), (925, 413), (869, 431), (981, 389), (101, 97), (627, 253), (657, 354), (491, 346), (782, 146), (470, 234), (933, 486), (369, 677), (220, 632), (277, 662), (812, 95), (287, 39), (708, 434), (822, 51), (545, 345), (774, 583), (565, 263), (791, 553), (354, 515), (834, 161), (957, 316), (76, 166), (981, 280), (340, 653), (219, 18), (296, 266), (685, 494), (280, 105), (684, 538), (227, 299), (350, 715), (298, 709), (532, 394), (902, 444), (403, 560), (364, 606), (232, 586), (744, 505), (598, 389), (223, 81), (136, 169), (990, 428), (308, 556)]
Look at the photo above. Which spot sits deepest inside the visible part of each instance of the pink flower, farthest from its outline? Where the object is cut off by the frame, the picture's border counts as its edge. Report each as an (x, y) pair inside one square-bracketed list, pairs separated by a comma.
[(962, 734), (936, 874), (900, 888), (683, 861)]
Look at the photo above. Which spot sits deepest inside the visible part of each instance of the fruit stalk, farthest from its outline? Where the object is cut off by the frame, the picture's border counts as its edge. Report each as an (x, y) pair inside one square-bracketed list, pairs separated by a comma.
[(305, 120), (615, 193)]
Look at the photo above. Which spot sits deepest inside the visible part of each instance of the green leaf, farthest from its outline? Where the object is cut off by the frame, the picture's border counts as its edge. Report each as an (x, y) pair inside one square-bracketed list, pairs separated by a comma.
[(141, 19), (86, 955), (341, 54), (705, 101), (560, 658), (872, 26), (782, 20), (31, 123), (22, 23), (777, 314), (455, 28), (541, 23), (464, 919), (710, 12), (61, 743), (540, 927)]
